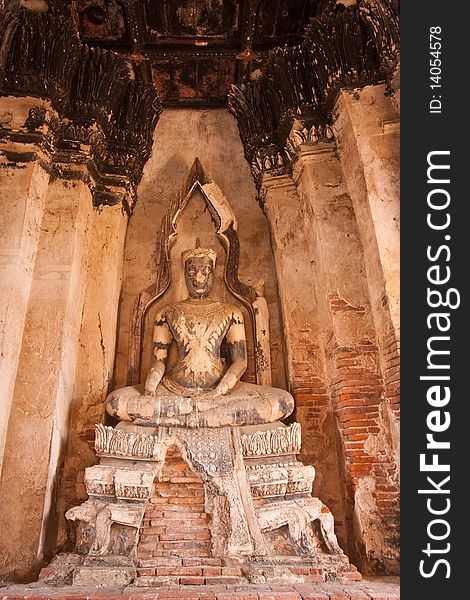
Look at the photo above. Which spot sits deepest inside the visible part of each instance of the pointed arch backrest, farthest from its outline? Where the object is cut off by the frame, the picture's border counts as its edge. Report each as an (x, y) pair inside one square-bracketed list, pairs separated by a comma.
[(227, 233)]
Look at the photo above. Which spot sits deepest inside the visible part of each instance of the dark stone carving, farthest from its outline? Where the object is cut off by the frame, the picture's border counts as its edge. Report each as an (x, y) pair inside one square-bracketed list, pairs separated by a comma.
[(96, 98), (192, 18), (344, 47), (101, 19), (192, 49)]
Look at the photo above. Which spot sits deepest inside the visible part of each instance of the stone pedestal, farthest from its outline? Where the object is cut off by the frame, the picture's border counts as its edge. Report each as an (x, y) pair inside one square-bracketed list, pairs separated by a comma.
[(264, 524)]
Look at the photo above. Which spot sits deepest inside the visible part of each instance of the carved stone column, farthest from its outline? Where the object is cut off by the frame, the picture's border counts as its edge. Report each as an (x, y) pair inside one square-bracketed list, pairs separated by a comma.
[(23, 185), (367, 128), (41, 402), (102, 272), (296, 266), (352, 355)]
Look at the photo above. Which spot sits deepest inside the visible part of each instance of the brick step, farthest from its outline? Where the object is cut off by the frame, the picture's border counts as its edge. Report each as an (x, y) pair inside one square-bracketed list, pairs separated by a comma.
[(196, 547), (206, 571), (377, 589), (175, 518), (175, 525), (193, 503), (206, 561), (308, 573), (175, 553), (170, 510), (163, 534), (187, 580)]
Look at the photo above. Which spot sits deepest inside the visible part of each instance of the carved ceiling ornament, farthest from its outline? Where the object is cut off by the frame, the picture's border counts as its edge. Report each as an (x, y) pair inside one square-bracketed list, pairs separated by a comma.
[(94, 93), (226, 231), (348, 46)]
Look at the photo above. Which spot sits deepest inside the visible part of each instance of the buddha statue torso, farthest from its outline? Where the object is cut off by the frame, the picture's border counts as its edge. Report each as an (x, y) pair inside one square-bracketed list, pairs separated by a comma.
[(198, 328)]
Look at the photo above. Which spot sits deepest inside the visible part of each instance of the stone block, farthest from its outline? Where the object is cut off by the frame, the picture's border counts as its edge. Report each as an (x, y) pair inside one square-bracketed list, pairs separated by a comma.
[(102, 576), (162, 561), (212, 571), (202, 561), (192, 580), (133, 484), (156, 581), (224, 580)]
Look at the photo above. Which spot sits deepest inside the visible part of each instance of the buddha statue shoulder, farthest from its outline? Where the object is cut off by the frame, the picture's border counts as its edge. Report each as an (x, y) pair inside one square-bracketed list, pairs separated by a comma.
[(202, 388)]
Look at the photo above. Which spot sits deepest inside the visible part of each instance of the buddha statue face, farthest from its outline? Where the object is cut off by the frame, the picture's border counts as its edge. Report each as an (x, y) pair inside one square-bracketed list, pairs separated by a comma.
[(199, 274)]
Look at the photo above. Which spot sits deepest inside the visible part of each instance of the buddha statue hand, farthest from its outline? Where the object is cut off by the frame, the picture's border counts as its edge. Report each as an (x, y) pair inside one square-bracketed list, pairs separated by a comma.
[(227, 383), (151, 383)]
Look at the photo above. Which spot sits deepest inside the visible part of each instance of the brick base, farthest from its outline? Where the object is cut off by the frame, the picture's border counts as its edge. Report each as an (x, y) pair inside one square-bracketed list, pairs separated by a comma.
[(175, 523), (385, 588)]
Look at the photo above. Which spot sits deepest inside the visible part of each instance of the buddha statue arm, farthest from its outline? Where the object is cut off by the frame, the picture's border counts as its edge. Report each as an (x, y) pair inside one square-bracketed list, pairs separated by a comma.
[(162, 338), (236, 342)]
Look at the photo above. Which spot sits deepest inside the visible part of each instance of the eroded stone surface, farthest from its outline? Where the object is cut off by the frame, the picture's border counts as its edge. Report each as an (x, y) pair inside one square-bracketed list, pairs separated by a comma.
[(246, 494), (202, 388)]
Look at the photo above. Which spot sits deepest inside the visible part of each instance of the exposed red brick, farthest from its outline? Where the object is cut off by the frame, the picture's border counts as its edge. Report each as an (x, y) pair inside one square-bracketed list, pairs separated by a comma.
[(212, 571), (175, 523)]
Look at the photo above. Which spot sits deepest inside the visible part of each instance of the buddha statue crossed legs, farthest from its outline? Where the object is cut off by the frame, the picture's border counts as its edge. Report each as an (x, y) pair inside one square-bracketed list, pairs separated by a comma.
[(200, 390)]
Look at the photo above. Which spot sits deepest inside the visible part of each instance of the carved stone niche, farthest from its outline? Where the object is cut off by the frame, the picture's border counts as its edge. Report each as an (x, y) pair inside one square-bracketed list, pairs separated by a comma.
[(200, 209), (263, 523)]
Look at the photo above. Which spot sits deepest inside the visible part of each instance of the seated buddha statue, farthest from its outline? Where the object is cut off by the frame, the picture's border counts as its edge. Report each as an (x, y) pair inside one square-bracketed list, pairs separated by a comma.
[(201, 389)]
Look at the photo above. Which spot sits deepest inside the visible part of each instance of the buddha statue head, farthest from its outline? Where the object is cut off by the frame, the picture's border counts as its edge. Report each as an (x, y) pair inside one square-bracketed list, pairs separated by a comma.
[(199, 268)]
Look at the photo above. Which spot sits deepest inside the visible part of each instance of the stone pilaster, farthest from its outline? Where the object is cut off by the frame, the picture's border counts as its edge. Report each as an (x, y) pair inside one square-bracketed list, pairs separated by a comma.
[(23, 185), (295, 261), (352, 355), (102, 272), (367, 130), (40, 409)]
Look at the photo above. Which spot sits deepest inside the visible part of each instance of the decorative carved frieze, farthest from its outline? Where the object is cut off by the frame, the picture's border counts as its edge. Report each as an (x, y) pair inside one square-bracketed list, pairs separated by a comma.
[(124, 444), (345, 47), (208, 453), (289, 477), (99, 480), (133, 484), (101, 111), (282, 440)]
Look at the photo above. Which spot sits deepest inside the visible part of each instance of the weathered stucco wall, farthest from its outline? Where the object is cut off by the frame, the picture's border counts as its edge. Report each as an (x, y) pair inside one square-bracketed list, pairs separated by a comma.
[(23, 187), (355, 377), (38, 423), (102, 264), (300, 292), (367, 128), (61, 261)]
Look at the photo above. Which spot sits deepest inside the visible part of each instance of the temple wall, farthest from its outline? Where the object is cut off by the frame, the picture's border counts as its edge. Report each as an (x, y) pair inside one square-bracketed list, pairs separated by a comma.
[(289, 217), (355, 377), (102, 263), (338, 215), (326, 245), (38, 423), (367, 129)]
